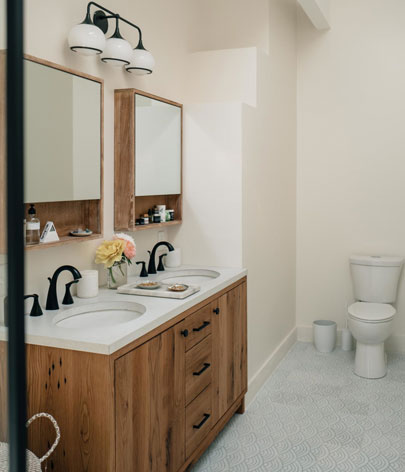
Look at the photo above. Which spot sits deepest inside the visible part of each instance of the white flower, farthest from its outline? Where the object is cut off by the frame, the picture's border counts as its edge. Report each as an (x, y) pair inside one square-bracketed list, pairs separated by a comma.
[(127, 237)]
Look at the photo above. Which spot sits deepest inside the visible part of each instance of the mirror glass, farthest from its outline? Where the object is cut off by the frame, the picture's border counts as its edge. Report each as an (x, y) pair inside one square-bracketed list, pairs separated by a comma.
[(157, 147), (62, 135)]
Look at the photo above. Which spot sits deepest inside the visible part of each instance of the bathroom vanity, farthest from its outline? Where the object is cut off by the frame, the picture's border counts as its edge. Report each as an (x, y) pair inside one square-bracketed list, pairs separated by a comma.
[(150, 395)]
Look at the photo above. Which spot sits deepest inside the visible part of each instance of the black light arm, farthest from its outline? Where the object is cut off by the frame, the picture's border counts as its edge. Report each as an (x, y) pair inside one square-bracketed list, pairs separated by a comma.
[(113, 15)]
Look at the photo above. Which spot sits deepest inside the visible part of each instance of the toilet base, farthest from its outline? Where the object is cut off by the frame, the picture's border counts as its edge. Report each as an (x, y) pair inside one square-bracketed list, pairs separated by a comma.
[(370, 361)]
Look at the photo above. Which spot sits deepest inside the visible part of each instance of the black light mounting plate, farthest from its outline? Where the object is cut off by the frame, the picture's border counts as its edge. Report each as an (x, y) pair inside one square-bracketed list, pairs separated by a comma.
[(100, 20)]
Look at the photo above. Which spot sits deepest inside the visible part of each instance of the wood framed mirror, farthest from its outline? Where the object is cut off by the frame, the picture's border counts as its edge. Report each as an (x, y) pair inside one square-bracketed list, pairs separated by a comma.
[(148, 158), (63, 148)]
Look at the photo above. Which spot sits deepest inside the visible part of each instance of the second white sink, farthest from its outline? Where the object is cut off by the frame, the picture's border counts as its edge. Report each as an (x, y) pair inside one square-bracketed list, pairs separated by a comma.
[(189, 276), (101, 315)]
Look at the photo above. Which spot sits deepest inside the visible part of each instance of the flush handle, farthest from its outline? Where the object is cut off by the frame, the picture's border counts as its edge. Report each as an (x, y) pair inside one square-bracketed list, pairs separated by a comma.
[(204, 325), (206, 365), (198, 426)]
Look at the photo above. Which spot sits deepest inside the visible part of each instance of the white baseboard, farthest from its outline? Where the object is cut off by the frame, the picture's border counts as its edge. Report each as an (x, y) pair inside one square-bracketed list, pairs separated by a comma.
[(260, 377), (394, 344)]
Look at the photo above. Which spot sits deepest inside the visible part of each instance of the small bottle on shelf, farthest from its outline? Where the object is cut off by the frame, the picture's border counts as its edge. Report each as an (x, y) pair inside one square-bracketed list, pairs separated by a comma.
[(33, 227)]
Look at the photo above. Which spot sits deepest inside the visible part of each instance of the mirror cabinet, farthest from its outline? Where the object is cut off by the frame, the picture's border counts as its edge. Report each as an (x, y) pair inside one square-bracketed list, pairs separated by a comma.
[(63, 148), (148, 158)]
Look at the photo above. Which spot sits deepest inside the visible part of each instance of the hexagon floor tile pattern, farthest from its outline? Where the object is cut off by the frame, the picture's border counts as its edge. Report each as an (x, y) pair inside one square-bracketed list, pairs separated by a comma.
[(314, 415)]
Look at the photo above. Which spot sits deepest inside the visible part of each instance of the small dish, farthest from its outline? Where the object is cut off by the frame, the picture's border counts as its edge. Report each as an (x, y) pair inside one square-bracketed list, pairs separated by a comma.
[(79, 232), (148, 285), (178, 287)]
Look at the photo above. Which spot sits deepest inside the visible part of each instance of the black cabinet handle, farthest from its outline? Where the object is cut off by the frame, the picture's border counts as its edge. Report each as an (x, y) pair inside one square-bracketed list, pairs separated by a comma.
[(204, 325), (216, 311), (184, 332), (198, 426), (206, 365)]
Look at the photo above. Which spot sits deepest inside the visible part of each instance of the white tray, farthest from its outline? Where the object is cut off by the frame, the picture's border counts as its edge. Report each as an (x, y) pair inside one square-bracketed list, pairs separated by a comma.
[(162, 292)]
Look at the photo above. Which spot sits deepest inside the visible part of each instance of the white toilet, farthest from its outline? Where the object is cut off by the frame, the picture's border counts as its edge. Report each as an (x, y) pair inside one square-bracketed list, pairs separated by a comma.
[(375, 280)]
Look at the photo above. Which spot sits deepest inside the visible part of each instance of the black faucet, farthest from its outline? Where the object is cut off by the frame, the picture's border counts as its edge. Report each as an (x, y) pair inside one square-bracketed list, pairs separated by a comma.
[(36, 307), (152, 266), (52, 300)]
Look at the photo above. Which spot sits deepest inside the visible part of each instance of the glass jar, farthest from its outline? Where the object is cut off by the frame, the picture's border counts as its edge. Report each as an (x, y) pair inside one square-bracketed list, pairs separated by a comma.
[(117, 275)]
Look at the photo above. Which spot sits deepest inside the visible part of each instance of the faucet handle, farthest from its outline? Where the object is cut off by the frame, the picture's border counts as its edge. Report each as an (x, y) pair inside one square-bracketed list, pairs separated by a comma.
[(144, 272), (161, 267), (36, 307), (67, 299)]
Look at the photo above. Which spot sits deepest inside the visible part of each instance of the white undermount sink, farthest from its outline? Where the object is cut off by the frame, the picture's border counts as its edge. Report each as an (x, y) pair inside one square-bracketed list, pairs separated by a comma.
[(189, 276), (101, 315)]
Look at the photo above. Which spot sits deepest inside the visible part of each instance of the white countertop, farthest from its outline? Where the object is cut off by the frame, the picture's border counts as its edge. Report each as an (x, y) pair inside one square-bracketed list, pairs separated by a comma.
[(43, 331)]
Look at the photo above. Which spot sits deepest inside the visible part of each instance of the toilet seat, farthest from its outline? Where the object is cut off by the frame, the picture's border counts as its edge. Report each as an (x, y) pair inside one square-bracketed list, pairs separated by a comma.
[(371, 312)]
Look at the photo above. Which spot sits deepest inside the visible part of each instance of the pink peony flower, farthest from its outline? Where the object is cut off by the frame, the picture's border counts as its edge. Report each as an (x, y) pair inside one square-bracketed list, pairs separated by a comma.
[(130, 248)]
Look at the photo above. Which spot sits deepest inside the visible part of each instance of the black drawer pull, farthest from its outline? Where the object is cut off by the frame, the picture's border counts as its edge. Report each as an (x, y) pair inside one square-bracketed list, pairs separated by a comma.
[(198, 426), (204, 325), (216, 311), (206, 365), (184, 332)]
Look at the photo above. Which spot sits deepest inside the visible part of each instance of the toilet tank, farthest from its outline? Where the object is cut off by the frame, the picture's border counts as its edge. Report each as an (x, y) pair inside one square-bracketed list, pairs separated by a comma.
[(375, 278)]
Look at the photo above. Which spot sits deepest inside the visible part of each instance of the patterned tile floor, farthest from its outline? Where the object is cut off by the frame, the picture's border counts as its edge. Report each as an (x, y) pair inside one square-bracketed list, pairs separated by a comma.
[(314, 414)]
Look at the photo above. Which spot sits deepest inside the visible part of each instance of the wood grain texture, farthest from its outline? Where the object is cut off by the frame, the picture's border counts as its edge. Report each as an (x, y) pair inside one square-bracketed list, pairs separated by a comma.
[(168, 324), (128, 207), (77, 389), (63, 240), (198, 325), (230, 353), (195, 415), (150, 405), (197, 358), (127, 411), (124, 159), (211, 435)]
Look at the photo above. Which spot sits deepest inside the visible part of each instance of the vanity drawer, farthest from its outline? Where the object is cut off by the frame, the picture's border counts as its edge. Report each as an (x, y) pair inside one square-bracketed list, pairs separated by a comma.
[(198, 420), (198, 368), (198, 326)]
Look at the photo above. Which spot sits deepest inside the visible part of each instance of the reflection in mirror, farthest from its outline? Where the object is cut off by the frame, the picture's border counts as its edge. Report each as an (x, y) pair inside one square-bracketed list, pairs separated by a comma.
[(62, 135), (157, 147)]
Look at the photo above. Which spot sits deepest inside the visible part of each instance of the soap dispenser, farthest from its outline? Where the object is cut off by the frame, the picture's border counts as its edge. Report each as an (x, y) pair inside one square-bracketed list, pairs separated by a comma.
[(33, 227)]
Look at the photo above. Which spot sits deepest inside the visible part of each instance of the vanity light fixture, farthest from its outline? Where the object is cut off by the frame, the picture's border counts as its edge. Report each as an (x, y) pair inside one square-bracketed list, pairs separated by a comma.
[(88, 39), (118, 51)]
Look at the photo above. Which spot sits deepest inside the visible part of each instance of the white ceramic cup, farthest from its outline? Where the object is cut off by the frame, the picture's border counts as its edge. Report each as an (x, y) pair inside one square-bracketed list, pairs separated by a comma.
[(324, 335), (88, 284), (173, 258)]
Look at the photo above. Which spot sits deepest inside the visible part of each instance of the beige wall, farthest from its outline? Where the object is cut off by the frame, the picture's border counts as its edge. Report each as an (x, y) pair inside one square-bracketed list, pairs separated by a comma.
[(351, 141), (269, 153), (251, 131), (48, 39)]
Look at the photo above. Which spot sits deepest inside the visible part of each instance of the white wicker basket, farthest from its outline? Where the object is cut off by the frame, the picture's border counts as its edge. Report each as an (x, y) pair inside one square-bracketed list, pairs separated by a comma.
[(33, 462)]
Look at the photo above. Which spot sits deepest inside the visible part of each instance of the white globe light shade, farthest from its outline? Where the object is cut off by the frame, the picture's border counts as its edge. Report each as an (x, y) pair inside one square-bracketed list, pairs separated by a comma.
[(117, 52), (142, 62), (86, 39)]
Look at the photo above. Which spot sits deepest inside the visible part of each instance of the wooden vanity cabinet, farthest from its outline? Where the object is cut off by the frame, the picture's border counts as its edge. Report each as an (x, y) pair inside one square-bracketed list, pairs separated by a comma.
[(156, 404)]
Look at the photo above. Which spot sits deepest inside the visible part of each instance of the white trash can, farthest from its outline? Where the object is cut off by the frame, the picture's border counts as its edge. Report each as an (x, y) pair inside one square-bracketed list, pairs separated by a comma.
[(324, 335)]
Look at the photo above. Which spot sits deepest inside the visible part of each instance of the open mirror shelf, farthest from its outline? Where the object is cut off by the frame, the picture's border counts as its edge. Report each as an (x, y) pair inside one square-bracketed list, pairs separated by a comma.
[(63, 162), (148, 159)]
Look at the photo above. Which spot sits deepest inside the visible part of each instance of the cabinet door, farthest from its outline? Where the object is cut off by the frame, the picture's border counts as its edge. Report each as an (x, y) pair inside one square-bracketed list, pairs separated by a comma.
[(229, 343), (150, 405)]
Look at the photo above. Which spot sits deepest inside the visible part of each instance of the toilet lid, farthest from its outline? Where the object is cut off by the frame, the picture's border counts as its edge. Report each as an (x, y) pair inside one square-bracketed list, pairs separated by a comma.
[(372, 311)]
